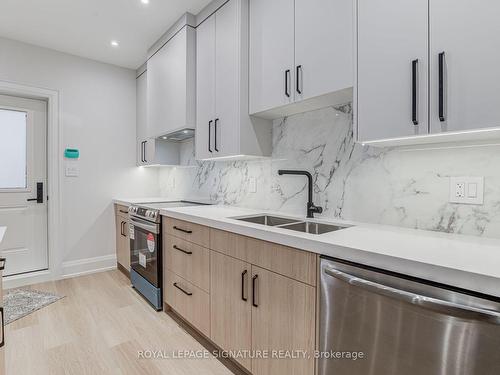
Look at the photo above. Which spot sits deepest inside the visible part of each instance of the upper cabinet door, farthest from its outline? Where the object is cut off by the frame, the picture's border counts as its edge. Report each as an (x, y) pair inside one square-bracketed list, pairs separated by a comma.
[(141, 115), (323, 47), (171, 85), (392, 68), (467, 34), (271, 54), (205, 88), (227, 80)]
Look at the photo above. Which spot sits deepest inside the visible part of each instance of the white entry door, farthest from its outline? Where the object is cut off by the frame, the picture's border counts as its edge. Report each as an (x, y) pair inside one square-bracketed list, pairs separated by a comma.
[(23, 169)]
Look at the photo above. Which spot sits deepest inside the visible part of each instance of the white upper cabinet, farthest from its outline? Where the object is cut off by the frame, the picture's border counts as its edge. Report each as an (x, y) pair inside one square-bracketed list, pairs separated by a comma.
[(150, 151), (467, 32), (141, 115), (392, 52), (223, 127), (427, 71), (227, 81), (172, 85), (323, 47), (271, 54), (301, 54), (205, 87)]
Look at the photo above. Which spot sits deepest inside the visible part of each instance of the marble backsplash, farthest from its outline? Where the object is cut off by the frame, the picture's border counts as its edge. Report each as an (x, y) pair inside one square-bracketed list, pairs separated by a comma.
[(403, 187)]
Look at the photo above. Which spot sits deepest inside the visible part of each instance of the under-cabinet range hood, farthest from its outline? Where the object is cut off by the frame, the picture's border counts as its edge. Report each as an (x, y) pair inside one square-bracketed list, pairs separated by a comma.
[(179, 135)]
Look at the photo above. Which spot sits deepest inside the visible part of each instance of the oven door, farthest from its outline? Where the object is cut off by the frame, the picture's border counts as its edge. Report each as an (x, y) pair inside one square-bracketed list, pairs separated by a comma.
[(145, 249)]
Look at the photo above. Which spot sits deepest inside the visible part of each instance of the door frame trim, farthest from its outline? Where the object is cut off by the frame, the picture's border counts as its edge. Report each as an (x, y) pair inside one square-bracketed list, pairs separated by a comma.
[(54, 182)]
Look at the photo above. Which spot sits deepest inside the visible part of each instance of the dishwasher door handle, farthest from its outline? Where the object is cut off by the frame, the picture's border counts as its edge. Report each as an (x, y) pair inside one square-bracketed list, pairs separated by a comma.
[(430, 303)]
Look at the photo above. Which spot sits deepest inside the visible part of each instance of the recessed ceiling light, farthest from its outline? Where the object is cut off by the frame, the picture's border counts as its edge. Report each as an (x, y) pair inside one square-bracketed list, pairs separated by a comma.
[(145, 1), (115, 43)]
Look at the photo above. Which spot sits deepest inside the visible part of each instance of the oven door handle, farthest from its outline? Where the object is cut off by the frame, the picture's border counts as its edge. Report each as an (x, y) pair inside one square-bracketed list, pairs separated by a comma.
[(430, 303), (153, 228)]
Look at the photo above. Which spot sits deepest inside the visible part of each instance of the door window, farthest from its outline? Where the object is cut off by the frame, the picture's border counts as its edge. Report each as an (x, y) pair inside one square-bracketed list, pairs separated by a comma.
[(13, 149)]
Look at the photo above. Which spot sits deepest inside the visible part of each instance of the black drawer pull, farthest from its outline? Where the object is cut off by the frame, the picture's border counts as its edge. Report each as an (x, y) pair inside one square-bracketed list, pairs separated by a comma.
[(298, 79), (182, 251), (2, 343), (414, 92), (124, 212), (287, 80), (183, 230), (182, 290), (254, 292), (441, 87), (243, 289), (2, 264)]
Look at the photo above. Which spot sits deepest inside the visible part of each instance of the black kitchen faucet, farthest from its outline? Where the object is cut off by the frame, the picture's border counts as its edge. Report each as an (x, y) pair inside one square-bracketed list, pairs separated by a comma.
[(311, 208)]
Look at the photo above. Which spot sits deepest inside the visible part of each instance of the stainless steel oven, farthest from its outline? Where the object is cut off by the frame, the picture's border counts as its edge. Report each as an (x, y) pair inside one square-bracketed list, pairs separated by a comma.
[(146, 254), (145, 249), (378, 323), (146, 261)]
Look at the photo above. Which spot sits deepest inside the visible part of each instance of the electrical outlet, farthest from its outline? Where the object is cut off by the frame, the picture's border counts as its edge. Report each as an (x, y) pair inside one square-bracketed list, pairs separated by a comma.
[(252, 185), (467, 190), (460, 190)]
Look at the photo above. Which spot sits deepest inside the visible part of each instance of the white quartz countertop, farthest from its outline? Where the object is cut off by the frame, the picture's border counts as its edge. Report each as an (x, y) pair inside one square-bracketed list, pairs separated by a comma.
[(129, 201), (467, 262), (2, 233), (146, 200)]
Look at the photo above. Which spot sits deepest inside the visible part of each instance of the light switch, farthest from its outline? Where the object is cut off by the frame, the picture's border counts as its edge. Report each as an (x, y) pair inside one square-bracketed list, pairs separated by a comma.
[(252, 185), (472, 190), (72, 170), (467, 190)]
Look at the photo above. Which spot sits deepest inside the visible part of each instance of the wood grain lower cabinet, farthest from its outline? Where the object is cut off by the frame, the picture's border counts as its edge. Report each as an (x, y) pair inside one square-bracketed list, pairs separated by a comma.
[(188, 260), (230, 321), (122, 241), (189, 301), (283, 318), (2, 323)]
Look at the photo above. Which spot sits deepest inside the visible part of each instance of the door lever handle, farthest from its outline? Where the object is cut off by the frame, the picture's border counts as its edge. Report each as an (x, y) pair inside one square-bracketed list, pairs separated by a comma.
[(39, 193)]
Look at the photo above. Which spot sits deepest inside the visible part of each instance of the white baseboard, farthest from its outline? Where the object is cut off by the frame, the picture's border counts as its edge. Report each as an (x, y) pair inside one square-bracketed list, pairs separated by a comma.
[(87, 266), (69, 269), (16, 281)]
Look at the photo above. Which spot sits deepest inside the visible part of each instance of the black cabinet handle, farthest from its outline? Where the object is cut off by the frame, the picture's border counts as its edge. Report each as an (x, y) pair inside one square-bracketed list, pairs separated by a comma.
[(39, 193), (123, 212), (243, 289), (441, 62), (2, 343), (287, 79), (209, 136), (183, 230), (2, 264), (182, 250), (298, 79), (414, 92), (215, 133), (145, 158), (254, 293), (123, 229), (142, 151), (182, 290)]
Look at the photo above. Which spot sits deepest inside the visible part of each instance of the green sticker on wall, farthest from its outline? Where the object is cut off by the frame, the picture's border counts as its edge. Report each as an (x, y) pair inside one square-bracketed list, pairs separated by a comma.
[(72, 153)]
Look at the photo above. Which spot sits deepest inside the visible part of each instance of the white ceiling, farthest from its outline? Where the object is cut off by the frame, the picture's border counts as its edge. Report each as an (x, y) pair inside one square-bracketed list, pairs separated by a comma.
[(86, 27)]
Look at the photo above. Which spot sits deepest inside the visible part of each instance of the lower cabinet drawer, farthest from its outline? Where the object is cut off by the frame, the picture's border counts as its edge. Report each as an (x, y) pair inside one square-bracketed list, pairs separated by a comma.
[(188, 260), (192, 303)]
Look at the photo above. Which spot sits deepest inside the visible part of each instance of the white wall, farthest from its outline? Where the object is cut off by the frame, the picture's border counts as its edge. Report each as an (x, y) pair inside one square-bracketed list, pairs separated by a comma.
[(98, 116)]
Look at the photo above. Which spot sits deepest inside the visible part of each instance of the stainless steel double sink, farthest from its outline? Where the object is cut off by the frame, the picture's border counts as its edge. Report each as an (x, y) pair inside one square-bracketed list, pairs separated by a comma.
[(311, 227)]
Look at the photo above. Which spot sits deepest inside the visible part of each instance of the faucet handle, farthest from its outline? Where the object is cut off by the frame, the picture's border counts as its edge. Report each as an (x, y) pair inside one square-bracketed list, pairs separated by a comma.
[(317, 209)]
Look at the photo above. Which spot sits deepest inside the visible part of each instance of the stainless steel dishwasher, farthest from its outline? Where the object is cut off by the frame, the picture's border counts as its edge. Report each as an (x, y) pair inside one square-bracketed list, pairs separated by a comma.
[(374, 322)]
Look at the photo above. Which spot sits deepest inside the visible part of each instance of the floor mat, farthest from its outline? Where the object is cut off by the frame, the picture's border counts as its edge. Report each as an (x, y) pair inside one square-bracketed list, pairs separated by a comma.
[(21, 302)]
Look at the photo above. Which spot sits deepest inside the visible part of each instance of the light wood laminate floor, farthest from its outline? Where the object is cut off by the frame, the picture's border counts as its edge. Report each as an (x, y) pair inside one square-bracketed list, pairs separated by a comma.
[(98, 329)]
